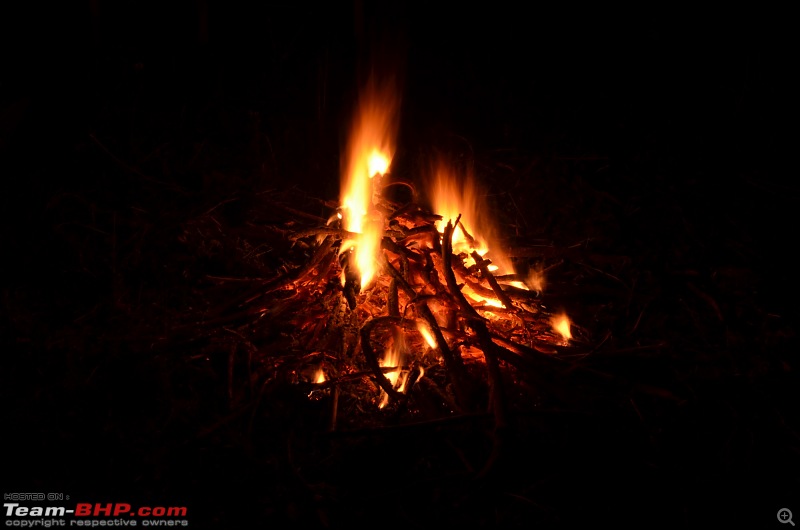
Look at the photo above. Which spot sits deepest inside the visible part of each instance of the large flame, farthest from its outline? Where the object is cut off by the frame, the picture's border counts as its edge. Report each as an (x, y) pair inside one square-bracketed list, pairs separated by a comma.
[(453, 195), (369, 154)]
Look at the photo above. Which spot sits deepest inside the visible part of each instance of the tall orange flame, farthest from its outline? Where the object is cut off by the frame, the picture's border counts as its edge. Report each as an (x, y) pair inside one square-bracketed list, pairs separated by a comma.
[(369, 154)]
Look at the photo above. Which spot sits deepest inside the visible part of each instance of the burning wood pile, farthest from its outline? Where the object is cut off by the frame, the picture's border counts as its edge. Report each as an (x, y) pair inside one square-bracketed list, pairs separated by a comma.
[(384, 307)]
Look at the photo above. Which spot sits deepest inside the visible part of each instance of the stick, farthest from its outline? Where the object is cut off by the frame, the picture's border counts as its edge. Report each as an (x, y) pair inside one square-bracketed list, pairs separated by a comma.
[(392, 301), (281, 281), (483, 265), (334, 409), (467, 235)]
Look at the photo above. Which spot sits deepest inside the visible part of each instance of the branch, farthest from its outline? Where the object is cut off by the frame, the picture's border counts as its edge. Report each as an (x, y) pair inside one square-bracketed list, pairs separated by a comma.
[(483, 265)]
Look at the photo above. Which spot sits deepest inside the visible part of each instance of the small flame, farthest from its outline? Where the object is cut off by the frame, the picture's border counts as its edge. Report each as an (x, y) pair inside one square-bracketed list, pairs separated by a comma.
[(452, 196), (369, 154), (561, 325), (426, 334), (319, 377), (536, 280), (393, 358)]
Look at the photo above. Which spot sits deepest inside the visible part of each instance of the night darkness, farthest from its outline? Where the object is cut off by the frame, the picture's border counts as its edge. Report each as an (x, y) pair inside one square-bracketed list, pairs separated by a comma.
[(660, 145)]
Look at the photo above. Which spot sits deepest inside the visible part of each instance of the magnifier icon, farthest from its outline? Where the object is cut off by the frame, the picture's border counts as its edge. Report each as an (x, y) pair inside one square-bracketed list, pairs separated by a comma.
[(785, 516)]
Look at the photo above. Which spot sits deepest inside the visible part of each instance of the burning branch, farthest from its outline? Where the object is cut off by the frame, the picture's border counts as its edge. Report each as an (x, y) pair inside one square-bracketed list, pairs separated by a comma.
[(478, 324), (483, 265)]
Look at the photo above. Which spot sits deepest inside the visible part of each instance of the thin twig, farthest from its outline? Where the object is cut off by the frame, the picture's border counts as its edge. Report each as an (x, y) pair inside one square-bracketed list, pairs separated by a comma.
[(282, 281)]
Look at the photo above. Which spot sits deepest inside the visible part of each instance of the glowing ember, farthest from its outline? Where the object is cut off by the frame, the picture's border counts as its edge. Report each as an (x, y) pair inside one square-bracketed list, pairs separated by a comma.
[(468, 291), (561, 324), (426, 334), (369, 154)]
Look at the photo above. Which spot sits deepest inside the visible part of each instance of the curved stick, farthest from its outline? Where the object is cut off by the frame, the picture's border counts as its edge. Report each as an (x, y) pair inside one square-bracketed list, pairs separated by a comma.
[(372, 359)]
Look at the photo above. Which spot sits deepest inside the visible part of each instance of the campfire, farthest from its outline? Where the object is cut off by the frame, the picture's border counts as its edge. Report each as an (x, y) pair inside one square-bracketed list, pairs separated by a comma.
[(396, 303), (539, 281)]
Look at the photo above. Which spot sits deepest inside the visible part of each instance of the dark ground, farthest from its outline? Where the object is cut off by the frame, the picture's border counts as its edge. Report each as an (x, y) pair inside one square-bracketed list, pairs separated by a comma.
[(661, 146)]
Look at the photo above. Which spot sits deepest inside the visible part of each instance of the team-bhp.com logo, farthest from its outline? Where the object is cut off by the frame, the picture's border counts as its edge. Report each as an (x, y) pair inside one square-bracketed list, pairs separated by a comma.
[(94, 514)]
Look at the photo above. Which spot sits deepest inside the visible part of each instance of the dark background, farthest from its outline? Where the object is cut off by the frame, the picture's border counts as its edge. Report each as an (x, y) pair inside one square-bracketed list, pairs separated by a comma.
[(683, 116), (706, 98)]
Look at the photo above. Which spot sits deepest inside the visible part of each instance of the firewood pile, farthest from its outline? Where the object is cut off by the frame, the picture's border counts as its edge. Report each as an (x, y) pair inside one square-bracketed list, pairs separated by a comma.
[(409, 348)]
